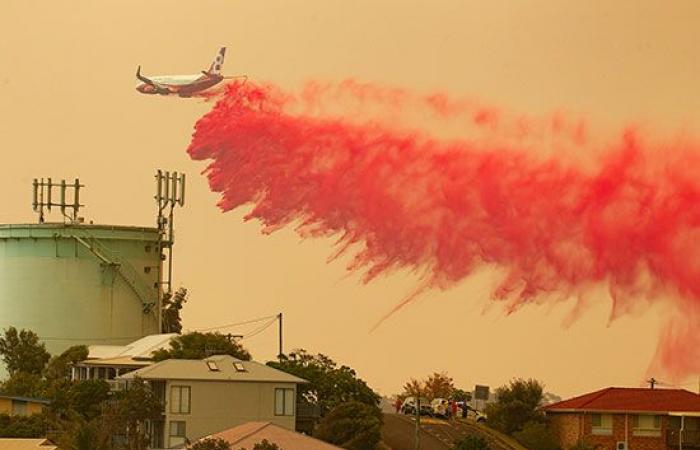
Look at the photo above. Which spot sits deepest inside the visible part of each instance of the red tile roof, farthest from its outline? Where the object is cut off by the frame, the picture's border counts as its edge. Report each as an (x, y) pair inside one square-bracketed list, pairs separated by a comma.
[(631, 399)]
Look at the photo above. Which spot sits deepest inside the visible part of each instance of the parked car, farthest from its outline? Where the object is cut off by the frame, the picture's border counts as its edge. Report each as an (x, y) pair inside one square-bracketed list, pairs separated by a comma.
[(471, 413), (440, 408), (409, 406)]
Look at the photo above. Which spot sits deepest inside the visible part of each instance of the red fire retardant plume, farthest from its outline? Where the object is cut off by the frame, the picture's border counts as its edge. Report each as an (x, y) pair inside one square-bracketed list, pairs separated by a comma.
[(398, 198)]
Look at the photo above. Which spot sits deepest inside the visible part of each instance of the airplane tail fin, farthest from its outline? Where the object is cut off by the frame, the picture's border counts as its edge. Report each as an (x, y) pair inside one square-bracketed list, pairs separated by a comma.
[(215, 68)]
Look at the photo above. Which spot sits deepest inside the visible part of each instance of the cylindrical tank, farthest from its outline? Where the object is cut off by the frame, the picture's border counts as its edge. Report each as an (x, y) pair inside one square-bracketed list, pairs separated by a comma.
[(80, 284)]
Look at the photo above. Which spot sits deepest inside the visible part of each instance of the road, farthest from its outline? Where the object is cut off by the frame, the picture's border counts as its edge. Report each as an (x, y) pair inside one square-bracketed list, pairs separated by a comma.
[(398, 432)]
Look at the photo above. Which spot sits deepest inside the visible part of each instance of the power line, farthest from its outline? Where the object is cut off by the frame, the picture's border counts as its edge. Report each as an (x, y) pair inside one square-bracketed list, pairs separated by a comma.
[(259, 329), (231, 325)]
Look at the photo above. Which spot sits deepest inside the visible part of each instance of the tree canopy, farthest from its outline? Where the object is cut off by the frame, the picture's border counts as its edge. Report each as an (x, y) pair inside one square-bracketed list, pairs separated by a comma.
[(21, 351), (518, 403), (210, 444), (437, 385), (198, 345), (329, 384), (352, 425), (471, 442)]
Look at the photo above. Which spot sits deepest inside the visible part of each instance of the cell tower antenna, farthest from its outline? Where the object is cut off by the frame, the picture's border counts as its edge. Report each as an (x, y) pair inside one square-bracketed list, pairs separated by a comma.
[(43, 198), (170, 192)]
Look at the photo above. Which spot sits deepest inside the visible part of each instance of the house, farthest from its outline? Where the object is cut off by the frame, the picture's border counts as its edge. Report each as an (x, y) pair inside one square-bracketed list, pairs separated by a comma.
[(26, 444), (202, 397), (107, 362), (629, 418), (251, 433), (21, 406)]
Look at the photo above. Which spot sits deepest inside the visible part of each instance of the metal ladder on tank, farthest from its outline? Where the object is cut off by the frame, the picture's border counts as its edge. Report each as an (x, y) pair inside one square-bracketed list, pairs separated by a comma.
[(125, 270)]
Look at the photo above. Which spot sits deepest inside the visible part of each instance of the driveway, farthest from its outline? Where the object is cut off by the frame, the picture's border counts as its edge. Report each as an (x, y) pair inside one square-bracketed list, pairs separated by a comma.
[(436, 434)]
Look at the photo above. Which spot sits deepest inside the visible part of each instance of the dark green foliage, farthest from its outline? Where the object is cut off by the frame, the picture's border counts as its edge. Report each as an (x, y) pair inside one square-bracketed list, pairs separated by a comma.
[(201, 345), (352, 425), (329, 385), (23, 426), (518, 403), (22, 352), (59, 366), (210, 444), (471, 442), (24, 384), (127, 412), (583, 445), (266, 445), (87, 396), (536, 435), (460, 395), (172, 305)]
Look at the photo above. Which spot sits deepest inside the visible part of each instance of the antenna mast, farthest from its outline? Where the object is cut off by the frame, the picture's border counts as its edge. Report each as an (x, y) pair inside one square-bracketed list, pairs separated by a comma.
[(43, 193), (170, 192)]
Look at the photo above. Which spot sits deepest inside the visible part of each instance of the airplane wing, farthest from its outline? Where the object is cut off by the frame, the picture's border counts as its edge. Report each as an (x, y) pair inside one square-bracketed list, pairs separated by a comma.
[(159, 87)]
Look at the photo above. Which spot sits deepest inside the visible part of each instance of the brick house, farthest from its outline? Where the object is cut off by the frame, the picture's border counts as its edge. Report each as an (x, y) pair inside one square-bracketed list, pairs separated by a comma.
[(629, 418)]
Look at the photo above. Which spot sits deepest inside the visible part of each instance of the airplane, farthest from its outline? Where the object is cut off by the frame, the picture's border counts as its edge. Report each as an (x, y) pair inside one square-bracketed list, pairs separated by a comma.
[(183, 85)]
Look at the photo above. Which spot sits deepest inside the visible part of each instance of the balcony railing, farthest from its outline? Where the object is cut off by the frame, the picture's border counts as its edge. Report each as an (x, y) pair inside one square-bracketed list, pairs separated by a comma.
[(691, 439)]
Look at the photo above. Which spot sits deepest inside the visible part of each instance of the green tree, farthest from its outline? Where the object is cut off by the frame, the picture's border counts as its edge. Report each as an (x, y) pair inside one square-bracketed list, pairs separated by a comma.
[(461, 395), (24, 384), (128, 412), (210, 444), (23, 426), (518, 403), (536, 435), (86, 397), (329, 384), (352, 425), (472, 442), (439, 385), (59, 366), (198, 345), (22, 352), (172, 305), (266, 445)]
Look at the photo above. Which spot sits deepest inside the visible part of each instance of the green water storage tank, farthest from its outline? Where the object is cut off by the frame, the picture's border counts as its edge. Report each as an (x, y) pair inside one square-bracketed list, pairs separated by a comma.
[(80, 284)]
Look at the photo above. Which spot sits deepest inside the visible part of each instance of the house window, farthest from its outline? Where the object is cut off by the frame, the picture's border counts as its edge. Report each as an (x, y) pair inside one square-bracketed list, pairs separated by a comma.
[(19, 408), (646, 425), (180, 399), (239, 366), (177, 434), (212, 366), (284, 402), (602, 424)]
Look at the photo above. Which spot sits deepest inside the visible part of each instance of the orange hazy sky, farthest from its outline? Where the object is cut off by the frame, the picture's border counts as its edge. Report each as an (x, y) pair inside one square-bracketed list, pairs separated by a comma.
[(68, 108)]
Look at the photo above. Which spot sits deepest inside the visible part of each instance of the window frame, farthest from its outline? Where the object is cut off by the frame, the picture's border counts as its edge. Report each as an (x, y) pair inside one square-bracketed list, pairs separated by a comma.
[(288, 405), (180, 388), (646, 431), (19, 407), (602, 429), (177, 436)]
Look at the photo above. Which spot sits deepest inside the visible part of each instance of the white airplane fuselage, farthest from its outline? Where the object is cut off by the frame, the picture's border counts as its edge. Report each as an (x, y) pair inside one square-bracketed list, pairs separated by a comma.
[(182, 85)]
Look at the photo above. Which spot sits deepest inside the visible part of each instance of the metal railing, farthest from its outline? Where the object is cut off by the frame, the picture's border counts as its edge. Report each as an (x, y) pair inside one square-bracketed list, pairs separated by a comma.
[(123, 268)]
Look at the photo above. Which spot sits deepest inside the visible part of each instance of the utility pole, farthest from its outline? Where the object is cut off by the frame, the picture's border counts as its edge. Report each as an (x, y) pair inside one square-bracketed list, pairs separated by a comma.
[(652, 381), (281, 349), (416, 439)]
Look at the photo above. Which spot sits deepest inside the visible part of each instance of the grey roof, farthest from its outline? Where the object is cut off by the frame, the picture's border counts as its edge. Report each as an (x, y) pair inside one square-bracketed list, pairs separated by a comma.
[(25, 399), (196, 369), (140, 349)]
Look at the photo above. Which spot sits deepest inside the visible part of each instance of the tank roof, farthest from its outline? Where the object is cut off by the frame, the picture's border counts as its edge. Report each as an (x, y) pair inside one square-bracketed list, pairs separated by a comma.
[(85, 226)]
